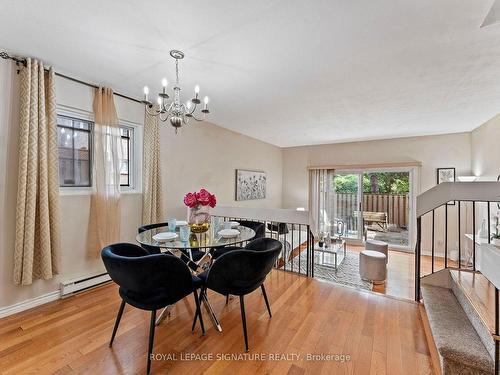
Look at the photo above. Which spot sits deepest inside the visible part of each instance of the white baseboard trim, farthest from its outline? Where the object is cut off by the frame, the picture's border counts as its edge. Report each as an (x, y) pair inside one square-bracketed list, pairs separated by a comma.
[(30, 303)]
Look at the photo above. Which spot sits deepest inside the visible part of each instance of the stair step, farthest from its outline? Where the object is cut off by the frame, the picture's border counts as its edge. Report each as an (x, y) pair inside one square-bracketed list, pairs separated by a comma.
[(480, 293), (456, 340)]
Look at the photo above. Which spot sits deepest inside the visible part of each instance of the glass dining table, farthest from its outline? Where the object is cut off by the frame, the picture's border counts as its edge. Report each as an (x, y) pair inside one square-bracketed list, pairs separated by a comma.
[(203, 242)]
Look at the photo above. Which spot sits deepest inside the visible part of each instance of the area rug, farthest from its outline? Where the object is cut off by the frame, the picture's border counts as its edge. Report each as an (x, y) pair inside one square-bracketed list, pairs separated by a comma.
[(347, 274)]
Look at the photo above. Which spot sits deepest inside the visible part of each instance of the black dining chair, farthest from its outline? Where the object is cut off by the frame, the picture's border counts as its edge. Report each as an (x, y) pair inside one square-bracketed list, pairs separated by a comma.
[(260, 232), (195, 253), (240, 272), (279, 228), (258, 227), (149, 282)]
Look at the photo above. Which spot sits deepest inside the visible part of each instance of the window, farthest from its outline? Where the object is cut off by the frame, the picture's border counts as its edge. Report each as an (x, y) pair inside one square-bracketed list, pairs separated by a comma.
[(127, 143), (74, 139)]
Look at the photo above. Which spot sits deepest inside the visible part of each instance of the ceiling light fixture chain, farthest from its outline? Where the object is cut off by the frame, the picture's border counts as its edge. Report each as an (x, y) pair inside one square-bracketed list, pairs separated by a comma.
[(177, 112)]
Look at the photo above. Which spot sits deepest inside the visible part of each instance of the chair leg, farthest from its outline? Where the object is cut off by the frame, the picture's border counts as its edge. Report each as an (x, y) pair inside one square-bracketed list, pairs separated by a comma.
[(151, 339), (117, 322), (198, 312), (195, 319), (265, 299), (244, 321)]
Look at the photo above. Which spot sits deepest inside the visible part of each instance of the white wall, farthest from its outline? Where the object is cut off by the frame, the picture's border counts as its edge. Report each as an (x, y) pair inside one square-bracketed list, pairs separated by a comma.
[(201, 155), (205, 155), (451, 150), (486, 150)]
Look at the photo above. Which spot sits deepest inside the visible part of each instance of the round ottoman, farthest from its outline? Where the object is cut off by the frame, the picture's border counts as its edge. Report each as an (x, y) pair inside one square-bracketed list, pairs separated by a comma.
[(379, 246), (372, 266)]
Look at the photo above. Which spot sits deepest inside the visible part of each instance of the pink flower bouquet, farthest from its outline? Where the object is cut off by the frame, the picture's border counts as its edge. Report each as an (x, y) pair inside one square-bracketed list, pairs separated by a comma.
[(201, 198), (199, 204)]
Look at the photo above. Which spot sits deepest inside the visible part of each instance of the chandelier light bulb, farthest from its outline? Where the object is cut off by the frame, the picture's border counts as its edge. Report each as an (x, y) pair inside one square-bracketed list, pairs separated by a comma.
[(159, 101), (197, 89), (188, 105), (206, 100), (146, 90), (164, 82)]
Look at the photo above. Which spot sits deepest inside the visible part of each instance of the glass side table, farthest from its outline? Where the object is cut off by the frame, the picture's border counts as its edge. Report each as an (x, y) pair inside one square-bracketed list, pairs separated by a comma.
[(332, 256)]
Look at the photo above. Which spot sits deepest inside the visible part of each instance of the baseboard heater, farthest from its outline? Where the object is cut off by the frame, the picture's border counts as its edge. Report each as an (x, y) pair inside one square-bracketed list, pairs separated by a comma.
[(73, 286)]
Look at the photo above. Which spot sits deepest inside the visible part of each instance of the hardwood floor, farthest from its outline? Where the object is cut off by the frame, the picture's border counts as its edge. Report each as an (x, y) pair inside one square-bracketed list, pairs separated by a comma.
[(401, 272), (380, 335)]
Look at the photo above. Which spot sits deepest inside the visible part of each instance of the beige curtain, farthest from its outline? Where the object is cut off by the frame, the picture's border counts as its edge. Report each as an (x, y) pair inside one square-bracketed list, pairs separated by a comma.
[(37, 245), (152, 211), (105, 199), (321, 202)]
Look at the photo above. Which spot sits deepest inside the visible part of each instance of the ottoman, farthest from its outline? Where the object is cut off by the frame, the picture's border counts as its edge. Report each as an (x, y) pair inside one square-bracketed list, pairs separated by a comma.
[(379, 246), (372, 266)]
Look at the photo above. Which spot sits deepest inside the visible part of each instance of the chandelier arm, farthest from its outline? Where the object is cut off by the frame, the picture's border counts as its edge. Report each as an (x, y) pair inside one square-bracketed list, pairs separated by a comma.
[(194, 109), (164, 119), (198, 119), (170, 106)]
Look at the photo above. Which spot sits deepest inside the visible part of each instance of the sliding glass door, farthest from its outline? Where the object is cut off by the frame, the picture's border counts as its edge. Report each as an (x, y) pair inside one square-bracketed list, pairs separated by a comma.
[(370, 203), (386, 205), (374, 204), (346, 202)]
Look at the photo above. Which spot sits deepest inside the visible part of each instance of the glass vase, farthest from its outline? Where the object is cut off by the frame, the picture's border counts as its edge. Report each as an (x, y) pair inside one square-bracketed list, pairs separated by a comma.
[(198, 218)]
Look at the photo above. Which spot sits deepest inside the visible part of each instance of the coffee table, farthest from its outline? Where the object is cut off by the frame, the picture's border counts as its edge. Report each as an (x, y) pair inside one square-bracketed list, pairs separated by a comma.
[(332, 256)]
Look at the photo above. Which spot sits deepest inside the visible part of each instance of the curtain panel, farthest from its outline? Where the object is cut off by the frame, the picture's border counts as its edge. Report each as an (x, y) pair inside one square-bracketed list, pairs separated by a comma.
[(37, 243), (152, 201), (321, 202), (104, 226)]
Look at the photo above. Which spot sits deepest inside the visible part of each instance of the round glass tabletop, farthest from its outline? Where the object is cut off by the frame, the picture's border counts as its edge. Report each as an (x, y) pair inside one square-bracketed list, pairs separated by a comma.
[(196, 241)]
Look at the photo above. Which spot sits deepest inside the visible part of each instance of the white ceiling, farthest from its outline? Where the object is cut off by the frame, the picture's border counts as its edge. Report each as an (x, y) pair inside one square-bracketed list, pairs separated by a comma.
[(287, 72)]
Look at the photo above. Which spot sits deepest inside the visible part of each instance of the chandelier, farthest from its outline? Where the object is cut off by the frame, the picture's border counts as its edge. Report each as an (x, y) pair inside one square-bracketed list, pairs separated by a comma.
[(175, 110)]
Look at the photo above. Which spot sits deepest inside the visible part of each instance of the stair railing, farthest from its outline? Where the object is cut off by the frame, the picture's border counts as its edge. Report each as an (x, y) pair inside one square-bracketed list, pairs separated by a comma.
[(457, 193)]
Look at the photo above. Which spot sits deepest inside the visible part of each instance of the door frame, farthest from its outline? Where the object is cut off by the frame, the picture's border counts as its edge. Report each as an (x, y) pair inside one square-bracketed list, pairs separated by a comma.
[(414, 183)]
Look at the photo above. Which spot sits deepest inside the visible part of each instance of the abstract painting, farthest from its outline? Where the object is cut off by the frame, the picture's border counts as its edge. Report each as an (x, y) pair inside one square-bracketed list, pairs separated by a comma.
[(250, 185)]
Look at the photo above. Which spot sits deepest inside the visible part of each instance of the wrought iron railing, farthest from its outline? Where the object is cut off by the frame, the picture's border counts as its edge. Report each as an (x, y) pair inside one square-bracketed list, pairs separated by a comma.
[(296, 237)]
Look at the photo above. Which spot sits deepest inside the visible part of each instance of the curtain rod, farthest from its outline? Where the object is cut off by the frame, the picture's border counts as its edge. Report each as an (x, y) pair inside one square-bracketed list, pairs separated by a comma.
[(367, 166), (22, 61)]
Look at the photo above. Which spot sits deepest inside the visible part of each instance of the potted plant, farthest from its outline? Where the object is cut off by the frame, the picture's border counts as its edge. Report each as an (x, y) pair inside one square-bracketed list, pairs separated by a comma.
[(321, 239), (198, 205)]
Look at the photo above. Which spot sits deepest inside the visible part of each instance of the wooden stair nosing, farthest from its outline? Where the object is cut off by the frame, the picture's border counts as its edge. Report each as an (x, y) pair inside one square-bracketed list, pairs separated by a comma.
[(474, 302)]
